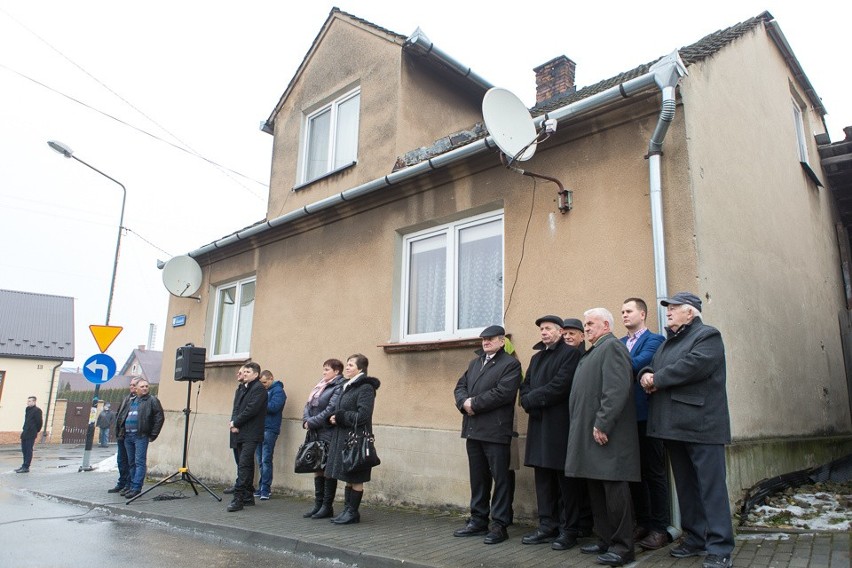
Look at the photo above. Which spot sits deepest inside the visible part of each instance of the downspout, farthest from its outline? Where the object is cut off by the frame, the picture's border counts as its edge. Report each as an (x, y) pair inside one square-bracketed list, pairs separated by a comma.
[(667, 75), (47, 415)]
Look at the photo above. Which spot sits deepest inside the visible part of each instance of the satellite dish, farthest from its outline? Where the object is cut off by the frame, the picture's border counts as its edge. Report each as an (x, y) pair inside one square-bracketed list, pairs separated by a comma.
[(509, 123), (182, 276)]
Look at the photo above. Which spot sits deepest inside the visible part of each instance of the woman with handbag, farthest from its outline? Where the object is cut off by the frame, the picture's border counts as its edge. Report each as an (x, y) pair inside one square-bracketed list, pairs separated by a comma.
[(322, 402), (353, 423)]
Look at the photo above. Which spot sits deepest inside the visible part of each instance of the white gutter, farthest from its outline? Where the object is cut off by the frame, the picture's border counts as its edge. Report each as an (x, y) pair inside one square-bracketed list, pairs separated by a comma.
[(422, 45), (668, 66)]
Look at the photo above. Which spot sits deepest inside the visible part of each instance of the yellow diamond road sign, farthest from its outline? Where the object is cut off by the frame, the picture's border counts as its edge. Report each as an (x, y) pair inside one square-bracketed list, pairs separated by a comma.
[(104, 335)]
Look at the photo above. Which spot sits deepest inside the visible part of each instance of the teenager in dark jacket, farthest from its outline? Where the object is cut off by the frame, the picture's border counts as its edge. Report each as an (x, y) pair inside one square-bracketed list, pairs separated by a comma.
[(247, 425), (355, 406), (32, 426)]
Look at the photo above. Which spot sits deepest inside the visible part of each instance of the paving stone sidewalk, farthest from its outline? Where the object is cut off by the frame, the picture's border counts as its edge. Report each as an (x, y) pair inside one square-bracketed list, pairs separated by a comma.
[(389, 536)]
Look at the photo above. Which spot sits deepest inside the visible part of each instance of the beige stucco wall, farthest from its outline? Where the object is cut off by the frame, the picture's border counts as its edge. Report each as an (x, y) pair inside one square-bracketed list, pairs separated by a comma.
[(767, 248), (24, 378), (328, 286)]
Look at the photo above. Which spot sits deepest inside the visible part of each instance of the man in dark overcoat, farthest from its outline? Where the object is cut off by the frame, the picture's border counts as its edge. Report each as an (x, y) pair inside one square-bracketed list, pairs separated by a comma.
[(33, 422), (603, 446), (688, 409), (573, 334), (246, 426), (485, 395), (544, 396)]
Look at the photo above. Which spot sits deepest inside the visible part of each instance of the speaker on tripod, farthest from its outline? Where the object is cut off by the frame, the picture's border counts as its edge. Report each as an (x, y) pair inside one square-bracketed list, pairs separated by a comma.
[(189, 367)]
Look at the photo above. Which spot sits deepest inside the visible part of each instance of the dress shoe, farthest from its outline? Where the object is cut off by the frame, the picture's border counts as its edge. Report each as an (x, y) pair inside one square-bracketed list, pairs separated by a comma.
[(235, 505), (124, 491), (539, 537), (564, 542), (639, 533), (654, 540), (22, 470), (593, 548), (470, 529), (229, 490), (131, 494), (496, 534), (685, 551), (614, 559), (115, 489), (714, 561), (248, 502)]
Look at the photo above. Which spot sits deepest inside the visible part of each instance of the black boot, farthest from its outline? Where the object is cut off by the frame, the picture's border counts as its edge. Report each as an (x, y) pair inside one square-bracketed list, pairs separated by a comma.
[(236, 504), (319, 486), (347, 491), (351, 515), (329, 492)]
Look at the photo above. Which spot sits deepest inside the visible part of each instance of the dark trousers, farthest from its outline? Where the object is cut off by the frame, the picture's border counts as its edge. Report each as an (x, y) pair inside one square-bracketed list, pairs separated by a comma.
[(489, 464), (27, 450), (699, 474), (244, 452), (559, 500), (651, 495), (612, 510), (123, 464)]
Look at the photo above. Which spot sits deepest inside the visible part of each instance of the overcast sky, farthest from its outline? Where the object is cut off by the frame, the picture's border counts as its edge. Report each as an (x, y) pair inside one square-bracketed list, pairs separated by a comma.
[(203, 74)]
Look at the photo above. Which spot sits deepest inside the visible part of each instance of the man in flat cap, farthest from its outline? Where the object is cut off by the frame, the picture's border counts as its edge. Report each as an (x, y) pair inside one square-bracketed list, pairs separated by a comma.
[(485, 395), (572, 333), (544, 396), (688, 409)]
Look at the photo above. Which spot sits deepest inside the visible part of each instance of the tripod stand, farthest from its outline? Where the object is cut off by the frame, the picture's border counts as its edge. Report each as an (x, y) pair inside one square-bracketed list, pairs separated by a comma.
[(183, 472)]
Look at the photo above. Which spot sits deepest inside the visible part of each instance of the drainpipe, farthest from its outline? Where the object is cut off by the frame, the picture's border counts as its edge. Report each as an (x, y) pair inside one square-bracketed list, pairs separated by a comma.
[(49, 396), (667, 72)]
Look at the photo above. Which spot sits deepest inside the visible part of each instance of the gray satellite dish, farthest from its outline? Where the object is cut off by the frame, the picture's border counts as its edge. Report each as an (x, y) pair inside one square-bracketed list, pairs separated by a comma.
[(182, 276), (509, 123)]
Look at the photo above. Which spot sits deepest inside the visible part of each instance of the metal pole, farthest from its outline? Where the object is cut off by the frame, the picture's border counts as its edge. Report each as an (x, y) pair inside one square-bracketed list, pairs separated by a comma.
[(90, 432)]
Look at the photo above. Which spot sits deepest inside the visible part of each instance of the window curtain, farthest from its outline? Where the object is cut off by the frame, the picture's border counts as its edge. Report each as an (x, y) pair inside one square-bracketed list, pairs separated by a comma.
[(427, 285), (246, 315), (480, 282)]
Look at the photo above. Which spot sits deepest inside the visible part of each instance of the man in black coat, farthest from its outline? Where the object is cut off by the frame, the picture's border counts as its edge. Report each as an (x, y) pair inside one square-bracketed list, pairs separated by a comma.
[(246, 433), (485, 395), (544, 396), (32, 426), (688, 409)]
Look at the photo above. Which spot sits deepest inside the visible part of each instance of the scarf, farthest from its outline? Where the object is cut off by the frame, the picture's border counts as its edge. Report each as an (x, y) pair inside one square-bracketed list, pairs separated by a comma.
[(313, 398)]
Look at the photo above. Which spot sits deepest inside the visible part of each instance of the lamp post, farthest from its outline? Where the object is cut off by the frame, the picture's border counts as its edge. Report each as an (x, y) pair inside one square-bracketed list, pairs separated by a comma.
[(68, 153)]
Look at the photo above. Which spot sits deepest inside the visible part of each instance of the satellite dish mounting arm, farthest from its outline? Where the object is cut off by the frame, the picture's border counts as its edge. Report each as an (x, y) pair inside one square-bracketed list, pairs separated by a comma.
[(565, 197)]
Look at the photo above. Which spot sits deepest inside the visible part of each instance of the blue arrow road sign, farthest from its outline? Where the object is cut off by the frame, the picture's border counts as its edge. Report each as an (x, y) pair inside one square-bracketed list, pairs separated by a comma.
[(99, 368)]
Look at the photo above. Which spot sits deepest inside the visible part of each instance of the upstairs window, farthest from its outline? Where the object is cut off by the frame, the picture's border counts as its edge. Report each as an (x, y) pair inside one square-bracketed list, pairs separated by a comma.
[(453, 279), (232, 319), (801, 142), (331, 136)]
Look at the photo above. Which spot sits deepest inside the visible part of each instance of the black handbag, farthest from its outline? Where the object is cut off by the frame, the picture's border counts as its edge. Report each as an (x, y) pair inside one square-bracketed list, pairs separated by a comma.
[(359, 453), (312, 454)]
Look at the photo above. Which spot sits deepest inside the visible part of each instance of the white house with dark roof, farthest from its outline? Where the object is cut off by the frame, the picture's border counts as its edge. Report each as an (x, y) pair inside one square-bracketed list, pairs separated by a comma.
[(36, 336)]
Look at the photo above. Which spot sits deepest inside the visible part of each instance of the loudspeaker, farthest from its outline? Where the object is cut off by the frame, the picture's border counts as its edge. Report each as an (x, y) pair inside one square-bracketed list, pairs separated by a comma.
[(189, 363)]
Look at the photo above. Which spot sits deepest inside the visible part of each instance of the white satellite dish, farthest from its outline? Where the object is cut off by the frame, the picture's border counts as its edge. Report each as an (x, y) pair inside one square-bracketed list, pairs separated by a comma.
[(182, 276), (509, 123)]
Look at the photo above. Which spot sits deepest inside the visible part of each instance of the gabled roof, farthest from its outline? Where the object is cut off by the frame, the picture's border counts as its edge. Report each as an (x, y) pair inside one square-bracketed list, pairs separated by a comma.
[(36, 326), (149, 360), (416, 44), (334, 14), (693, 53)]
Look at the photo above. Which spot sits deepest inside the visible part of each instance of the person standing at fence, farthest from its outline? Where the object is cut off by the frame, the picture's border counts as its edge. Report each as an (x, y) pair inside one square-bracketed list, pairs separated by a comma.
[(104, 423)]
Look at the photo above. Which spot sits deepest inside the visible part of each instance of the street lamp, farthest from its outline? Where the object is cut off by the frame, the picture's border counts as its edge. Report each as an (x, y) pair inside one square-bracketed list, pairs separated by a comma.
[(68, 153)]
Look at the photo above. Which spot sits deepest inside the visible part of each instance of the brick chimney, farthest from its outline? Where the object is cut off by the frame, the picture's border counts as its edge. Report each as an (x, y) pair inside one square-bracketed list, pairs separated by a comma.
[(554, 79)]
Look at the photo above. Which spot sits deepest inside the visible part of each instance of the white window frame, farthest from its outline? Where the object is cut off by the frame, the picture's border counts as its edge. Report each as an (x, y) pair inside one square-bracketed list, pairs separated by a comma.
[(451, 231), (230, 352), (331, 107), (801, 140)]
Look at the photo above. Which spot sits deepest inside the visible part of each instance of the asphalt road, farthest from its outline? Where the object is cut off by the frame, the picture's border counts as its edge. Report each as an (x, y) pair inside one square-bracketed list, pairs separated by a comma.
[(39, 532)]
